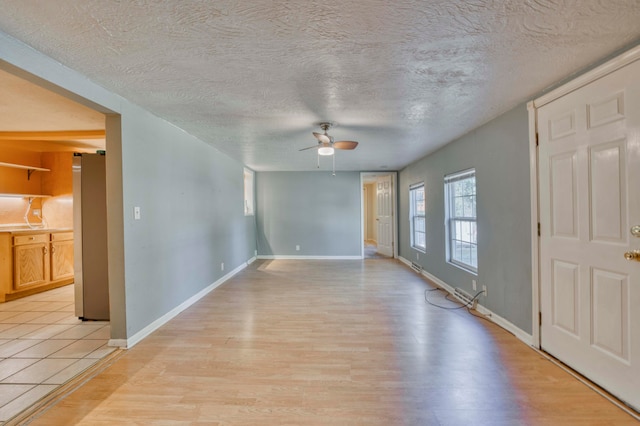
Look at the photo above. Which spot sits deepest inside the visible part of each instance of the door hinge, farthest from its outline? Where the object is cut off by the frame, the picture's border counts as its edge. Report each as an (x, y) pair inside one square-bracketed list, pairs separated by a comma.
[(539, 318), (538, 229), (537, 140)]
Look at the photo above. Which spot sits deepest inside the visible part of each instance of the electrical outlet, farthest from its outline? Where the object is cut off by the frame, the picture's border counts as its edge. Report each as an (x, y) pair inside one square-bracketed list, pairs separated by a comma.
[(484, 289), (474, 285), (222, 266), (418, 256), (136, 213), (37, 212), (297, 248), (255, 252)]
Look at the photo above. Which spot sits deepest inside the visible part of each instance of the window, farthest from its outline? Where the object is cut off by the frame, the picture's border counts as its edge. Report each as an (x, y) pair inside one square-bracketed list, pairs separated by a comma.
[(248, 192), (418, 231), (460, 193)]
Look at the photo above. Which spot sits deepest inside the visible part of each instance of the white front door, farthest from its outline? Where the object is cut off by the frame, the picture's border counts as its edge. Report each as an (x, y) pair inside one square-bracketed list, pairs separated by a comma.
[(384, 216), (589, 159)]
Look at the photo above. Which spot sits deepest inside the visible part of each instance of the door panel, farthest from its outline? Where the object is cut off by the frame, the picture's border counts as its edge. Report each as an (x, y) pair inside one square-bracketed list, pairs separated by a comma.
[(565, 296), (611, 313), (384, 207), (564, 198), (608, 192), (31, 265), (589, 153)]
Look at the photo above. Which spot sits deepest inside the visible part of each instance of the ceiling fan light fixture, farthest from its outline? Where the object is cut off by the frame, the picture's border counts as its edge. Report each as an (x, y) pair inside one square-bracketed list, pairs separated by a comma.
[(325, 150)]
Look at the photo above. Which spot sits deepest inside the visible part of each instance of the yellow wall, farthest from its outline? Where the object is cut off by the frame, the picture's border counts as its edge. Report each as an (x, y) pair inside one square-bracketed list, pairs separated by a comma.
[(370, 231), (57, 211)]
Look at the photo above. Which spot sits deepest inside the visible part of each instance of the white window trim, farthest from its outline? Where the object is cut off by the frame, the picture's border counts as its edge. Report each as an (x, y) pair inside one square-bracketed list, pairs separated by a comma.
[(412, 217), (448, 179), (249, 192)]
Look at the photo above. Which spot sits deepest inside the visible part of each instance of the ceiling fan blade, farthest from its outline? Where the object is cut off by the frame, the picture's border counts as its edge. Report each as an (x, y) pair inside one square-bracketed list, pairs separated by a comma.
[(345, 144), (311, 147), (321, 137)]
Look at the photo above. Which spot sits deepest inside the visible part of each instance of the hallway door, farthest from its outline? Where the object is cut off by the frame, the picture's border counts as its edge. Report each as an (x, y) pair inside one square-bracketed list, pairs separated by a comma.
[(589, 158), (384, 216)]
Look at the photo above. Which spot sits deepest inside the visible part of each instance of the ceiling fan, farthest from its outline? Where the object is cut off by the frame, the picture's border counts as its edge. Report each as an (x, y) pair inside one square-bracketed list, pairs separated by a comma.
[(326, 145)]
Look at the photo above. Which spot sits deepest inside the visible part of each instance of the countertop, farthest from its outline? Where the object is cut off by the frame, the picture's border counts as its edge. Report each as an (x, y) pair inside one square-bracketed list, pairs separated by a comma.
[(34, 230)]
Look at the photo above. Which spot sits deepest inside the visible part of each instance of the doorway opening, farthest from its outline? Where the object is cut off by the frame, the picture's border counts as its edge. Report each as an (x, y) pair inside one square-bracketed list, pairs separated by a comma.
[(41, 128), (379, 225)]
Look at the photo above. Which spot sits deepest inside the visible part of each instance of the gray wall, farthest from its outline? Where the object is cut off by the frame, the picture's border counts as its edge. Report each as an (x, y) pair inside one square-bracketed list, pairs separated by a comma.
[(192, 206), (499, 151), (317, 211), (190, 194)]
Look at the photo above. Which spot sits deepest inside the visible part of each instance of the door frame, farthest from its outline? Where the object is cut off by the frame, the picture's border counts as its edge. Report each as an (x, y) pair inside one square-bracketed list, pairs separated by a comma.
[(606, 68), (115, 218), (394, 203)]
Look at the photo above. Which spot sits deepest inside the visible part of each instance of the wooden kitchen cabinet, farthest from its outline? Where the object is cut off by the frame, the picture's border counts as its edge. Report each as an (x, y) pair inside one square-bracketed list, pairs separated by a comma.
[(30, 261), (34, 261), (61, 255)]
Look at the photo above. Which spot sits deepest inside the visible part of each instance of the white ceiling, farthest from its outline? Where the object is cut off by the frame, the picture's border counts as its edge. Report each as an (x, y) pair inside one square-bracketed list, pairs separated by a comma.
[(252, 77)]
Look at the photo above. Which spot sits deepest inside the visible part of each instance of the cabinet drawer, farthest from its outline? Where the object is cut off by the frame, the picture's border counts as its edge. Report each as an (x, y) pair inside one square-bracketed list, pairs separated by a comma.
[(30, 239), (61, 236)]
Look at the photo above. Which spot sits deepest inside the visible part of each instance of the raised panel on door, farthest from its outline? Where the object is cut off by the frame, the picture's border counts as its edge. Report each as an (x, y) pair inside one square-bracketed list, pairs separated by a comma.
[(608, 192), (564, 197), (610, 318), (565, 297)]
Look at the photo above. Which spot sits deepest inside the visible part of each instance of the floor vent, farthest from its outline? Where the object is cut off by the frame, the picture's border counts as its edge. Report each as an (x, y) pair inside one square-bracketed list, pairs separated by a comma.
[(465, 297), (416, 267)]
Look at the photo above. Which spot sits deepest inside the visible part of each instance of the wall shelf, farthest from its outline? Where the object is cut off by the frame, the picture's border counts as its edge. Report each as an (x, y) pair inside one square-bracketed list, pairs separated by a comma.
[(8, 194), (29, 169)]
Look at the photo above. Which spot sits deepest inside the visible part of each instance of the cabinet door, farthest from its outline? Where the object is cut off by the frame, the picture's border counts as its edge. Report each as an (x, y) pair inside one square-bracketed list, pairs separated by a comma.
[(31, 265), (61, 260)]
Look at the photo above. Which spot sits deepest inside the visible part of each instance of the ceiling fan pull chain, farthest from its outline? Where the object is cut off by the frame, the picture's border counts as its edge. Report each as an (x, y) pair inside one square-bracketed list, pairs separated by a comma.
[(334, 165)]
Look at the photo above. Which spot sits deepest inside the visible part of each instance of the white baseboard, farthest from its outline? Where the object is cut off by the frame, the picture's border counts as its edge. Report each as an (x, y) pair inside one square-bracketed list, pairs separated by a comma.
[(286, 257), (405, 261), (507, 325), (493, 317), (136, 338)]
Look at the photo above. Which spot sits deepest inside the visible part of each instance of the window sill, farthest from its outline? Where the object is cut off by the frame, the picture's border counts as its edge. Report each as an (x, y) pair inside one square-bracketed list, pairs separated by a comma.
[(421, 250), (463, 267)]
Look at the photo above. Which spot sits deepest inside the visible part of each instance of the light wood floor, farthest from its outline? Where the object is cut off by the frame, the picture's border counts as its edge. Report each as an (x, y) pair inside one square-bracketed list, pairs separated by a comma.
[(331, 343)]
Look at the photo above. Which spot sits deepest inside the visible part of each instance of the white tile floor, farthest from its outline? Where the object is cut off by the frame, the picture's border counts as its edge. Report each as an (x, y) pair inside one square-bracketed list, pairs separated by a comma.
[(42, 346)]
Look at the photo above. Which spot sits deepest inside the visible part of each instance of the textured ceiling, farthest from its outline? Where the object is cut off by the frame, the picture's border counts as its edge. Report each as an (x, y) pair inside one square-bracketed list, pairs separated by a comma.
[(252, 77)]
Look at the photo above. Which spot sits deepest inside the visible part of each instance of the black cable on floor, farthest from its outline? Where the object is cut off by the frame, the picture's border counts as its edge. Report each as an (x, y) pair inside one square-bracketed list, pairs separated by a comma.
[(469, 303)]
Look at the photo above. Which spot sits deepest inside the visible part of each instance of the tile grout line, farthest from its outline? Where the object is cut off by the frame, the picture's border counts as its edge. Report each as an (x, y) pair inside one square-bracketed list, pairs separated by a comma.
[(61, 327)]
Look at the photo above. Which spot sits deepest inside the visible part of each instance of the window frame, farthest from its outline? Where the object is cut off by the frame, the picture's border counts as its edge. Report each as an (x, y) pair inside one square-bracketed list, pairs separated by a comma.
[(249, 192), (452, 220), (413, 216)]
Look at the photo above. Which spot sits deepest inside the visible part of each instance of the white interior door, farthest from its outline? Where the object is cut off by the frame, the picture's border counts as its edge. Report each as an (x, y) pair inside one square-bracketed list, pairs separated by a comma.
[(384, 216), (589, 163)]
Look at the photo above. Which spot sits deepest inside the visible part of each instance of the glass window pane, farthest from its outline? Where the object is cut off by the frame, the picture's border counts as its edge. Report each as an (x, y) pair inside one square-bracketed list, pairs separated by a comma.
[(462, 212), (458, 207), (417, 212)]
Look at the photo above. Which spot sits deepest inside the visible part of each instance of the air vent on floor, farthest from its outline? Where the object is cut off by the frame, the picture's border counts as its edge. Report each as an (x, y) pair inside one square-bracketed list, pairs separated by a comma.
[(416, 267), (465, 298)]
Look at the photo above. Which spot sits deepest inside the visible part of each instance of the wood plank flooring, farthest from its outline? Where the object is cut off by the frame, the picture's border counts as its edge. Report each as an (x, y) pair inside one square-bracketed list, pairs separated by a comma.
[(331, 343)]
